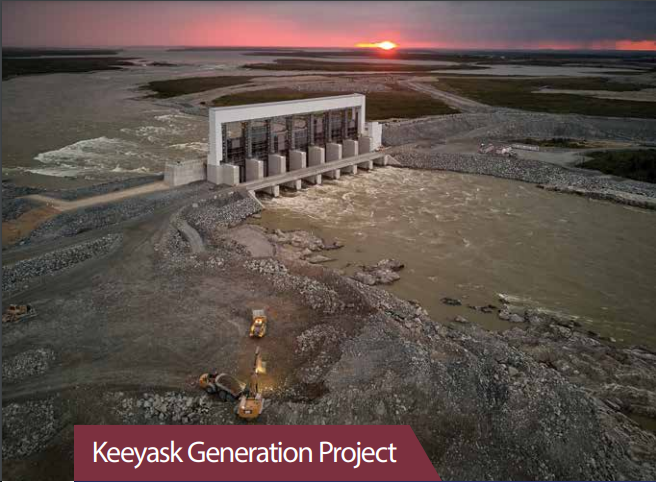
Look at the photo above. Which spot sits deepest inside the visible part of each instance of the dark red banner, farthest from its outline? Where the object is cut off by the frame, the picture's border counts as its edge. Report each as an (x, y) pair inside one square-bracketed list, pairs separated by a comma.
[(250, 452)]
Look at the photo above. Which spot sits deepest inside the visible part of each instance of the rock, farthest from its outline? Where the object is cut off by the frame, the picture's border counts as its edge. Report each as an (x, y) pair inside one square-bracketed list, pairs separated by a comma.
[(460, 319), (504, 315), (386, 276), (451, 301), (365, 278), (318, 258), (383, 272), (512, 371), (333, 245), (515, 318), (390, 264), (256, 216)]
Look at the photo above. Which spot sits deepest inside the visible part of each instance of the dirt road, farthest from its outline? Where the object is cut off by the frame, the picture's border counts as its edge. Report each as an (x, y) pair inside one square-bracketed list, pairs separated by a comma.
[(452, 100)]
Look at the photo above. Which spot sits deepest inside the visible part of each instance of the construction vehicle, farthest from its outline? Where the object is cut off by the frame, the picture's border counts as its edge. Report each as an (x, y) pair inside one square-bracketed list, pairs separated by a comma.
[(250, 401), (17, 313), (259, 324)]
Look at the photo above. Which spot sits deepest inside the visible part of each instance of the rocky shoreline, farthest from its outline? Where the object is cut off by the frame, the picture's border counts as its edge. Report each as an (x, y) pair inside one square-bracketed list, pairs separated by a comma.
[(547, 176)]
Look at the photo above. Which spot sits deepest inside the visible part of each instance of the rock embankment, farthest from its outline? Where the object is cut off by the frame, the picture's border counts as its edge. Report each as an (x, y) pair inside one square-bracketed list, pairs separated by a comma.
[(553, 177), (624, 378), (95, 217), (511, 125), (206, 217), (18, 276)]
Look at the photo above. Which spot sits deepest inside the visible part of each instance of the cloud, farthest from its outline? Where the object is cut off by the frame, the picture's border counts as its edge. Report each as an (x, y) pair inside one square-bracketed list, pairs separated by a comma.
[(502, 24)]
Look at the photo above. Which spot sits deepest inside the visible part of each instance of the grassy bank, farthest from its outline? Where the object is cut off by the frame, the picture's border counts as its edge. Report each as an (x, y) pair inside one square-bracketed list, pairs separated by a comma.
[(639, 165), (519, 94), (191, 85), (399, 103), (317, 65), (14, 67)]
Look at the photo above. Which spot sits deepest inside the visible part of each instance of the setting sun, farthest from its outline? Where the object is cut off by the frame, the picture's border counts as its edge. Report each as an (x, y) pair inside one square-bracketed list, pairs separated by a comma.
[(385, 45)]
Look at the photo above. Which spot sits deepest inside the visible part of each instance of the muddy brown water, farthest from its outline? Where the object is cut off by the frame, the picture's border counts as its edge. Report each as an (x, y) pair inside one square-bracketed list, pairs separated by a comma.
[(473, 237)]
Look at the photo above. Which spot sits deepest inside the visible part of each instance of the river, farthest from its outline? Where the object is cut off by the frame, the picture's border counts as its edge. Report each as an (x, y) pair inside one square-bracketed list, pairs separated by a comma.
[(473, 237)]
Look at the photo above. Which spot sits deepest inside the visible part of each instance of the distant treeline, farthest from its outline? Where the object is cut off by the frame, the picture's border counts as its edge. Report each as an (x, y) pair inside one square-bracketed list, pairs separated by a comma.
[(8, 52), (14, 67)]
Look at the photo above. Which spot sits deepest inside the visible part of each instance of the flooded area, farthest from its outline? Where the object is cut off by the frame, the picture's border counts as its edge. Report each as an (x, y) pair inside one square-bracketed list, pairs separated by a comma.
[(473, 237)]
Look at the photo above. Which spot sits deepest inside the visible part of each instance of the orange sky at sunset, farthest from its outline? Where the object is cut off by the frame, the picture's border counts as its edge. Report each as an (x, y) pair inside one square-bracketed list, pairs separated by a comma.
[(610, 25)]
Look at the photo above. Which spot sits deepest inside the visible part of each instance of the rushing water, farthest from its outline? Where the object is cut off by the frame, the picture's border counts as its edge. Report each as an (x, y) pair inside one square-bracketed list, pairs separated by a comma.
[(472, 237)]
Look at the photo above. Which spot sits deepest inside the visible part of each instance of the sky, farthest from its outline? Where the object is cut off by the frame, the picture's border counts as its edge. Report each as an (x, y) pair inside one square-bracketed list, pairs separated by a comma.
[(601, 25)]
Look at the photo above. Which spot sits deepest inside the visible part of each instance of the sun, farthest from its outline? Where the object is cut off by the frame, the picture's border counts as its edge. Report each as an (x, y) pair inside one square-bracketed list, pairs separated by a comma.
[(385, 45)]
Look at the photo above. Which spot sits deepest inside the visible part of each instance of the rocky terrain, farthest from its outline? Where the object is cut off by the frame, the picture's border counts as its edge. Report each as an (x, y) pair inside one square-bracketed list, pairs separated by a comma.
[(416, 144), (509, 125), (20, 275), (71, 223), (540, 401), (547, 175)]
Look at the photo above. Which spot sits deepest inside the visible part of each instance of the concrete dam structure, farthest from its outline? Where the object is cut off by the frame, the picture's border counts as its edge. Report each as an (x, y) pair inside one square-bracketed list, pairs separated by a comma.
[(264, 146)]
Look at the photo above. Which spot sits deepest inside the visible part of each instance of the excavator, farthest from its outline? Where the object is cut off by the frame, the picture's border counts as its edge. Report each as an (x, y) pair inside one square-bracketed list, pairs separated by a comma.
[(250, 401)]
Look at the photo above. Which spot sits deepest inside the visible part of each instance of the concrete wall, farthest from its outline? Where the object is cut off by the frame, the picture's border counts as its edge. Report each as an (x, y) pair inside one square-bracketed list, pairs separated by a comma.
[(375, 131), (180, 173)]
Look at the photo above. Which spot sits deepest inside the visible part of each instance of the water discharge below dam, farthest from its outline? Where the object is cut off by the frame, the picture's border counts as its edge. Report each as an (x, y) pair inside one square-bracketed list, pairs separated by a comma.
[(472, 237)]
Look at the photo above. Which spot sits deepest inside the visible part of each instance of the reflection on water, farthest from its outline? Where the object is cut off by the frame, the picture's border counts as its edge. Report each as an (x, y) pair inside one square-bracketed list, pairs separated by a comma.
[(472, 237)]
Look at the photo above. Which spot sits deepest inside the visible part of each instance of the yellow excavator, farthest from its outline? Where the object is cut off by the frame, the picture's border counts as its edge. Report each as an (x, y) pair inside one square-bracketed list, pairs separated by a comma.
[(250, 401)]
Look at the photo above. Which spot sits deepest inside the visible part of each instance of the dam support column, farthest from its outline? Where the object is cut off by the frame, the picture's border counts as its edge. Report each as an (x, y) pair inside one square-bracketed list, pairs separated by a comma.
[(229, 174), (316, 157), (297, 160), (350, 148), (333, 153), (365, 144), (254, 169)]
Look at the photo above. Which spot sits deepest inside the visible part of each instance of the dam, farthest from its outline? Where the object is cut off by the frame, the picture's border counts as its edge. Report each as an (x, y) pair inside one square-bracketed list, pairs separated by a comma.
[(261, 147)]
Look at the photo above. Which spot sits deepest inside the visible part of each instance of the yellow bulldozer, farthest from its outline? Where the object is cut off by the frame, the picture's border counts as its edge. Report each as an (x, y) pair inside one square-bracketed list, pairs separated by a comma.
[(17, 313), (250, 402)]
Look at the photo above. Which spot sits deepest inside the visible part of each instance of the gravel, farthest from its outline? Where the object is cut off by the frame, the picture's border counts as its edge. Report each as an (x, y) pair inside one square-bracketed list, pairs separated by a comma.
[(519, 125), (27, 364), (208, 217), (315, 294), (26, 428), (96, 217), (225, 210), (14, 208), (18, 275)]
